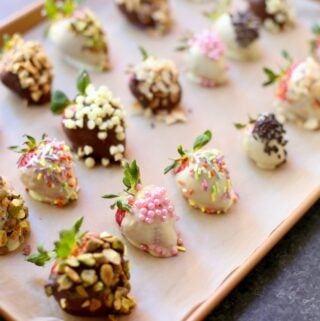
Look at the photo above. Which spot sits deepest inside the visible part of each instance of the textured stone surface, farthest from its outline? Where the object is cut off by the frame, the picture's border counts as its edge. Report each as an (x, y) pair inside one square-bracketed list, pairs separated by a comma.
[(285, 286)]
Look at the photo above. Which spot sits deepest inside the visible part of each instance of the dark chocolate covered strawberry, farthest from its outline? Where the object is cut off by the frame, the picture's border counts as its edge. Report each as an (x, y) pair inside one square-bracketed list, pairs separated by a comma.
[(26, 69), (153, 15), (94, 122), (90, 275)]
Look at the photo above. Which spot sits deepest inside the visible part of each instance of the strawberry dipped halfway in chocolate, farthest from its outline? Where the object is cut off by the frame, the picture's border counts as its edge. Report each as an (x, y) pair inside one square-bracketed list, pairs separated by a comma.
[(14, 224), (154, 82), (77, 34), (94, 122), (297, 96), (90, 274), (203, 177), (47, 171), (146, 216), (26, 70), (152, 15), (264, 141), (275, 15)]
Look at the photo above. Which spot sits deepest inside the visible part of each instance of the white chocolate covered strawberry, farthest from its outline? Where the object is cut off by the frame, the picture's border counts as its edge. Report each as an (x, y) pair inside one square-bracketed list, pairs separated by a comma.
[(205, 59), (78, 35), (47, 171), (146, 216), (264, 141), (203, 177), (297, 97), (239, 31)]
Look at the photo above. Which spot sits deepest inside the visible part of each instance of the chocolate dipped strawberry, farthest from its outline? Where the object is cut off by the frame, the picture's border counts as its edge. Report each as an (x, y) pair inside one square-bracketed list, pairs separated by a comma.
[(153, 15), (264, 141), (90, 275), (155, 83), (297, 96), (77, 34), (275, 15), (26, 70), (14, 224), (203, 177), (47, 171), (94, 122), (146, 216)]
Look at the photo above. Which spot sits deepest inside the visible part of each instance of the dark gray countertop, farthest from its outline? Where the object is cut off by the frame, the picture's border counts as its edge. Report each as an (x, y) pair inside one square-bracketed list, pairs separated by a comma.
[(285, 286)]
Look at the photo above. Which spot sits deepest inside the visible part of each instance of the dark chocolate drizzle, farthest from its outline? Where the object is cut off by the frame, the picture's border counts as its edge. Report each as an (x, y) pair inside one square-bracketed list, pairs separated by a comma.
[(246, 26), (268, 128)]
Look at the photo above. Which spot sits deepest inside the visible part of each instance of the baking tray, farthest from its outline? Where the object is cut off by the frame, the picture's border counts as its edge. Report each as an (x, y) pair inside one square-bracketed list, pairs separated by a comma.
[(221, 250)]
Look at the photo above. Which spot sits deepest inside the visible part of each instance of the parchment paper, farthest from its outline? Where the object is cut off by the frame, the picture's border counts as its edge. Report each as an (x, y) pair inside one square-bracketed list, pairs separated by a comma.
[(165, 289)]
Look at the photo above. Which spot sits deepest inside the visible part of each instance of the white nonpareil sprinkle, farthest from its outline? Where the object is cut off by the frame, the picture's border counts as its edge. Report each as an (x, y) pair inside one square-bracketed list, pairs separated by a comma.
[(102, 135), (91, 124), (89, 162), (105, 162), (87, 150)]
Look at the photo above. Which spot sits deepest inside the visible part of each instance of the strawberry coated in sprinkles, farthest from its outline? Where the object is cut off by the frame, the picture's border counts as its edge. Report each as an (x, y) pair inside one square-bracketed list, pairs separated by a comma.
[(48, 173), (209, 166), (146, 216), (206, 65), (203, 177)]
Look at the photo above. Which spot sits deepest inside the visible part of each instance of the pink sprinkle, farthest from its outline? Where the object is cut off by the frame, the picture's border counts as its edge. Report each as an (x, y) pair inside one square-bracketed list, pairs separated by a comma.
[(174, 251), (162, 191), (156, 194), (158, 212), (164, 212), (147, 194), (166, 201), (142, 217), (143, 211), (156, 202), (148, 220), (209, 44), (170, 209), (205, 185), (151, 213), (130, 198), (151, 206), (163, 218)]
